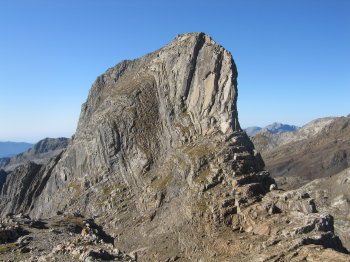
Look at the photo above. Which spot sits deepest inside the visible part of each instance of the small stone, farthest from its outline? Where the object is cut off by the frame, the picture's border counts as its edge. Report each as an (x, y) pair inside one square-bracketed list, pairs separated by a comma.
[(84, 232), (273, 187), (133, 255)]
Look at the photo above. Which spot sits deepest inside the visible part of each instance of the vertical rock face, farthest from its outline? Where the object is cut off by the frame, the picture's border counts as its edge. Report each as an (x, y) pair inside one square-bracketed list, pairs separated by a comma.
[(143, 114), (159, 159), (20, 188)]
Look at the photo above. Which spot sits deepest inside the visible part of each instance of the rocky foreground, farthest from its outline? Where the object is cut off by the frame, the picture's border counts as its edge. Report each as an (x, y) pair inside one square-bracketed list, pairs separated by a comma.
[(60, 238), (160, 163)]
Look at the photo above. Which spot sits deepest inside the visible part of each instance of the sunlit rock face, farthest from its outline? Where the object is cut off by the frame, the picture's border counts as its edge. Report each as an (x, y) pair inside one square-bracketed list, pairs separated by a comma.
[(142, 113), (159, 160)]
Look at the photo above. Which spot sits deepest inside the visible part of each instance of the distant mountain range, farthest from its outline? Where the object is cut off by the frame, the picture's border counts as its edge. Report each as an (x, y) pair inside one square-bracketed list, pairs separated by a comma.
[(319, 149), (275, 128), (314, 159), (9, 149), (39, 153)]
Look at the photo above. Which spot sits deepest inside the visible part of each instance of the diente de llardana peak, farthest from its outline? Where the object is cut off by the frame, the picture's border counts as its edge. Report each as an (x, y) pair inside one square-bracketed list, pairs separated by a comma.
[(160, 162)]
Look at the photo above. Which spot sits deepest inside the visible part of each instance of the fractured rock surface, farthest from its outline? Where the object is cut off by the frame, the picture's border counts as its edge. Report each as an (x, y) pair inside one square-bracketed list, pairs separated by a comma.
[(332, 195), (160, 161)]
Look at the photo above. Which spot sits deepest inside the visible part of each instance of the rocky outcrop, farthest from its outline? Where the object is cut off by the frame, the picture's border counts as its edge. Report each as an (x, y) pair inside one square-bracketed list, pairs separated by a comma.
[(332, 195), (23, 169), (24, 239), (172, 108), (23, 185), (160, 161), (40, 153)]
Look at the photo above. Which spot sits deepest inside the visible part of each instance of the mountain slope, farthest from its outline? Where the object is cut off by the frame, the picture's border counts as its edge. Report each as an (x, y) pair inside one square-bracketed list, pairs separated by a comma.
[(320, 149), (40, 153), (265, 141), (160, 161)]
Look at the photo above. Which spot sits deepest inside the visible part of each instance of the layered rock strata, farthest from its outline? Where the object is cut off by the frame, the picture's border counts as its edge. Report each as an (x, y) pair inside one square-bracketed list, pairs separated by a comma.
[(159, 160)]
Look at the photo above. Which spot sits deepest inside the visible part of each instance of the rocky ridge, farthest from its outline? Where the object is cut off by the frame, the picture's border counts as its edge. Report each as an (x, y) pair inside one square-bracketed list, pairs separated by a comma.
[(320, 149), (40, 153), (265, 140), (160, 162), (332, 195)]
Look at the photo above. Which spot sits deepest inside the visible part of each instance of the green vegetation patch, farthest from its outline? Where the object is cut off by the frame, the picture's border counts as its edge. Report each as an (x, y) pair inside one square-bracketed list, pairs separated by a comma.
[(76, 188), (162, 182), (4, 248), (202, 205), (202, 176), (197, 151), (184, 129)]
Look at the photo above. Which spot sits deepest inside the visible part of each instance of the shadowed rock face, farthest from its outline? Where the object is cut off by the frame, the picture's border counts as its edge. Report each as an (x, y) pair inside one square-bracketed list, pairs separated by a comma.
[(23, 185), (159, 159), (3, 175)]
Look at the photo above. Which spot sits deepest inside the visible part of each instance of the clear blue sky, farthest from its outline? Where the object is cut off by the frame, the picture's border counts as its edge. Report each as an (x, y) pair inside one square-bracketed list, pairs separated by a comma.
[(293, 56)]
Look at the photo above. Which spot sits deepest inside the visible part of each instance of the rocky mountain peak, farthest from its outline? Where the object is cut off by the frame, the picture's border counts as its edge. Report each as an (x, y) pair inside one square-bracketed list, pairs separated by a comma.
[(49, 144), (278, 128), (160, 161), (192, 76)]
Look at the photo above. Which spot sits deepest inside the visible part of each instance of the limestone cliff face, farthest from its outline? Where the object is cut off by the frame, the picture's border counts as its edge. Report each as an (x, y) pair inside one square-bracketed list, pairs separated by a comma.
[(159, 159), (144, 114)]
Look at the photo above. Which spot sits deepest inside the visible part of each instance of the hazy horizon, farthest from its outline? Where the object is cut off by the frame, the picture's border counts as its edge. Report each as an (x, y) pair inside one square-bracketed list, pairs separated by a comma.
[(292, 57)]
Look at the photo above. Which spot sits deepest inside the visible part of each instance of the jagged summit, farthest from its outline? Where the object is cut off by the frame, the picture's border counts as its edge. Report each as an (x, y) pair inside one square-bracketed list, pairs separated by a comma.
[(159, 159), (195, 75)]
